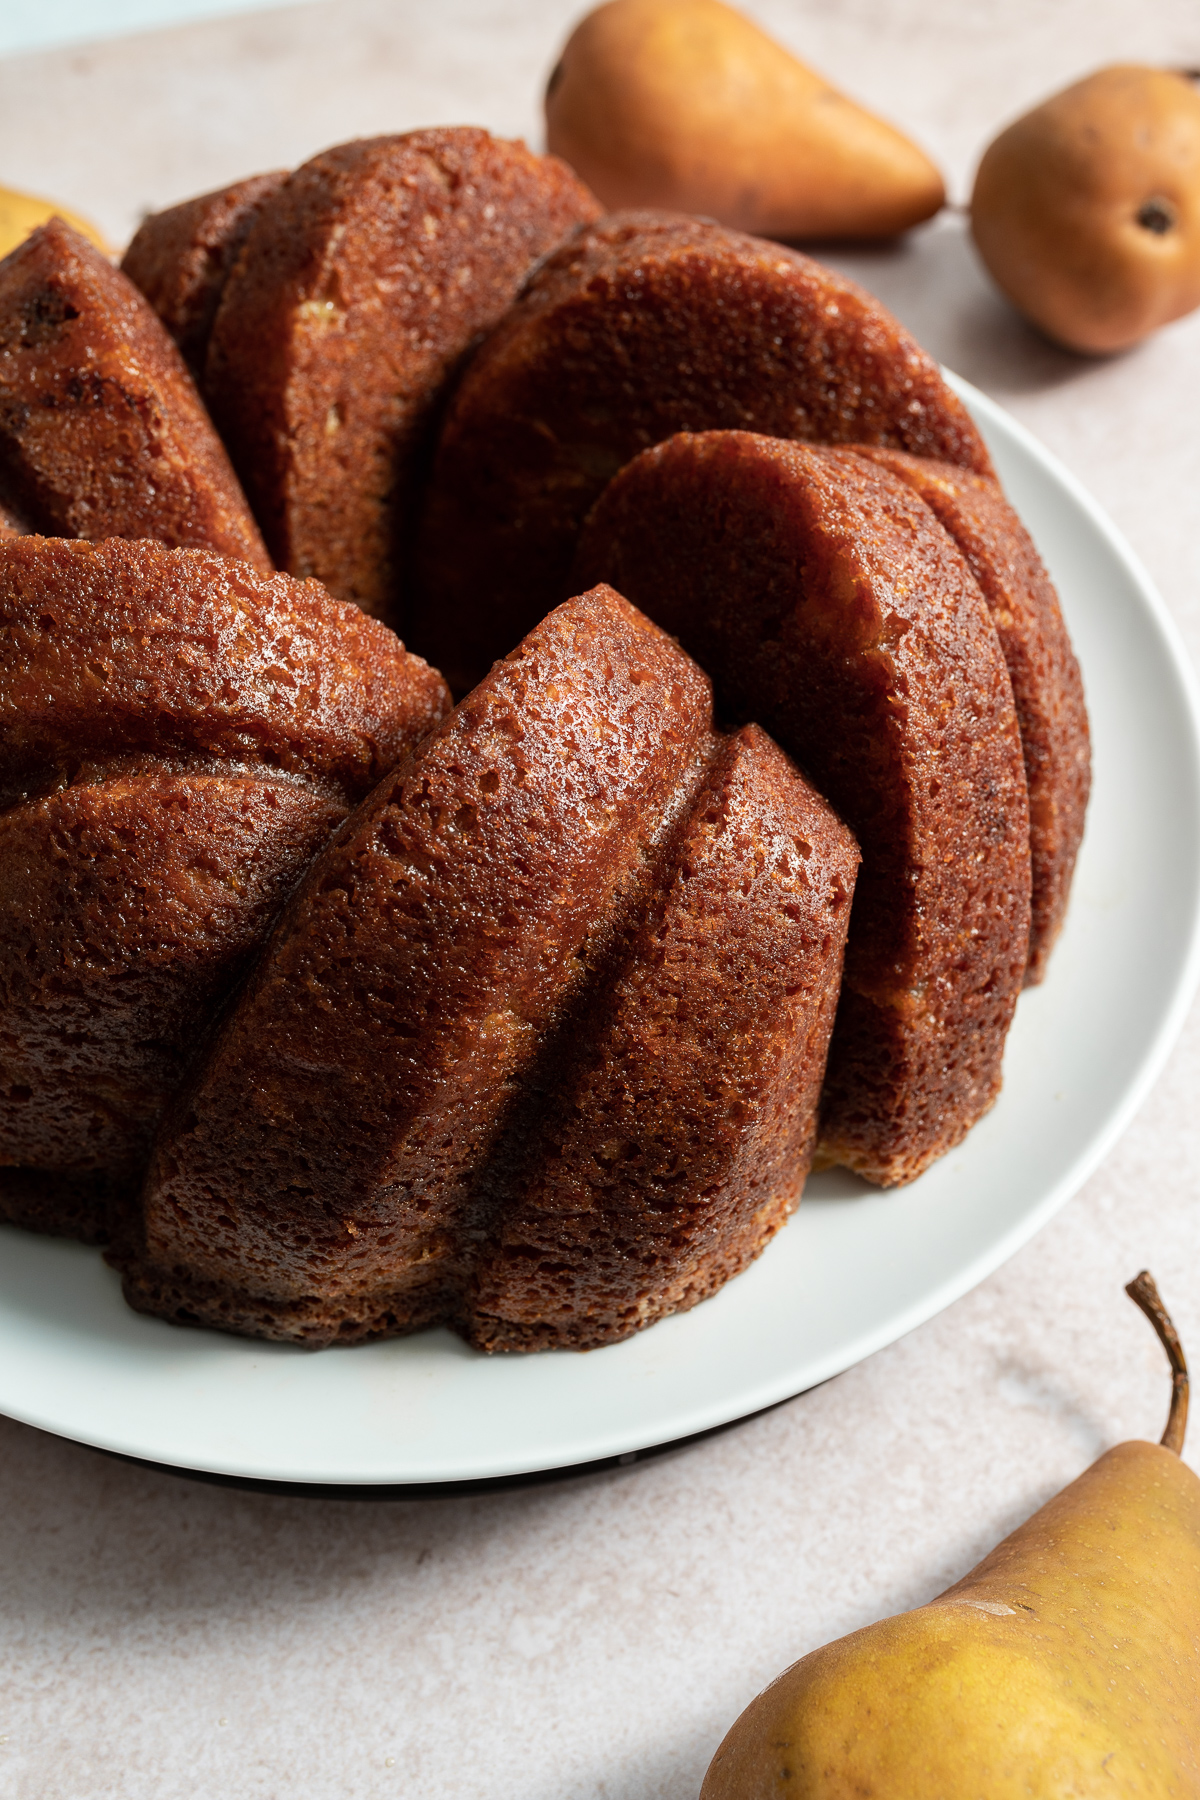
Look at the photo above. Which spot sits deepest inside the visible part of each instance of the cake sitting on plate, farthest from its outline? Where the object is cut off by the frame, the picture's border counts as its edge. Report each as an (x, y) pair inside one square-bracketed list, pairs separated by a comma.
[(535, 1049), (338, 1011)]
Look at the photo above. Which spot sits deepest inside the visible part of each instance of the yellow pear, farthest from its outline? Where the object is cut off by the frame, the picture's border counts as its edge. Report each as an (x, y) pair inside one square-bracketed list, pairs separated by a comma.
[(1066, 1666), (1087, 210), (21, 213), (686, 104)]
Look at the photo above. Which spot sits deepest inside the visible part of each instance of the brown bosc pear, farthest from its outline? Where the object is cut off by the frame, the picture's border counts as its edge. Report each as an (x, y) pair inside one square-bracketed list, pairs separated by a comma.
[(1065, 1666), (1087, 209), (687, 105)]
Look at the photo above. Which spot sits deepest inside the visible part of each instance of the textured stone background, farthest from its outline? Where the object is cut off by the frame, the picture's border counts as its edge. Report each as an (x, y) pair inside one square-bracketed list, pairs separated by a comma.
[(593, 1639)]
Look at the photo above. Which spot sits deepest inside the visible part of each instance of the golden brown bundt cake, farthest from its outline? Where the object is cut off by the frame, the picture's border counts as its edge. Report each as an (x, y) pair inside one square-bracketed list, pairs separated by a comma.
[(554, 1003), (181, 258), (365, 278), (180, 734), (641, 326), (1047, 687), (102, 433), (832, 606)]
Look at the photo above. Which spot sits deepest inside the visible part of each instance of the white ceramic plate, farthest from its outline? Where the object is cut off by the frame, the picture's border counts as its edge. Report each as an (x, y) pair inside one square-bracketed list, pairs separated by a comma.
[(853, 1270)]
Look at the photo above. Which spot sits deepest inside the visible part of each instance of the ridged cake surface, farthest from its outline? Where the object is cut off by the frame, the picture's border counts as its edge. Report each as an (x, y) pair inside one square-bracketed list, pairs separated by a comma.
[(181, 258), (833, 607), (1046, 683), (180, 736), (557, 997), (102, 432), (640, 326), (365, 278)]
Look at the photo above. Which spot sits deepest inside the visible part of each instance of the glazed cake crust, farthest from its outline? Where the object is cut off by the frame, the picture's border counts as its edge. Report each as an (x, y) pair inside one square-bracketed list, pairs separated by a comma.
[(365, 279), (122, 648), (181, 258), (835, 609), (180, 736), (332, 1172), (1047, 686), (130, 903), (677, 1139), (102, 432), (643, 325)]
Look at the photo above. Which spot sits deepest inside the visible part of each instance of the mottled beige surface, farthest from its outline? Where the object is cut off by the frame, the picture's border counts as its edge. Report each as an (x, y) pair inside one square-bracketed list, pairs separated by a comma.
[(592, 1639)]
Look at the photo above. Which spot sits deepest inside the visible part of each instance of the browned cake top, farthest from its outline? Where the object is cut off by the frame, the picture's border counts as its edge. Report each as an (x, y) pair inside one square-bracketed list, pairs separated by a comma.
[(102, 433), (120, 647), (128, 905), (364, 279), (180, 259), (641, 326), (678, 1128), (363, 1078), (832, 606), (536, 1047), (1047, 686)]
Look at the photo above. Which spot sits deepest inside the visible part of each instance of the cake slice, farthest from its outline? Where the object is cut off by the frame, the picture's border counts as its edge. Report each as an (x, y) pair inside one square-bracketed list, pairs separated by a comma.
[(640, 326), (180, 736), (679, 1126), (102, 432), (365, 278), (181, 258), (538, 892), (1046, 683), (833, 607)]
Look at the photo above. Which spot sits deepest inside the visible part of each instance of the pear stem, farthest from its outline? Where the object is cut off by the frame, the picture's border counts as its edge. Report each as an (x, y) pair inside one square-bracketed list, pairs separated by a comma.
[(1143, 1293)]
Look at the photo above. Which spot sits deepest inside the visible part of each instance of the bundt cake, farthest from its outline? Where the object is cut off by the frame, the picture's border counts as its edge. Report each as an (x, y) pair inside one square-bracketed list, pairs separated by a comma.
[(646, 324), (365, 278), (536, 1048), (181, 258), (340, 1013), (180, 736), (102, 433), (834, 608), (640, 326)]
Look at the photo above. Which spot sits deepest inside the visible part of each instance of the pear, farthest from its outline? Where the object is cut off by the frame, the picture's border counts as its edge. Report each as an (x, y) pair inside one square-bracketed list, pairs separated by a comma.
[(22, 213), (1087, 210), (1065, 1666), (686, 104)]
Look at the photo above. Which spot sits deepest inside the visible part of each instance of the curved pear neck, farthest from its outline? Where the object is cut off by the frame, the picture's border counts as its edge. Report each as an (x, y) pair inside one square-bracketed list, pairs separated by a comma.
[(1144, 1293)]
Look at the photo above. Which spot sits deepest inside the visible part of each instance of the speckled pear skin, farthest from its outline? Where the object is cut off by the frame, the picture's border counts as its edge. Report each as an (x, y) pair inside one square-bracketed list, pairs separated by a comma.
[(179, 737), (102, 432), (640, 326), (1066, 1664), (833, 608), (503, 1012), (1047, 686), (182, 257), (366, 278)]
